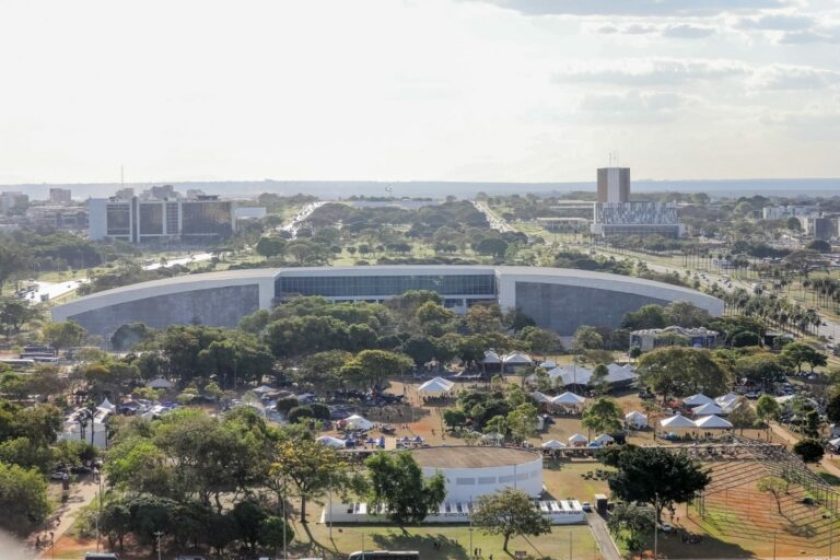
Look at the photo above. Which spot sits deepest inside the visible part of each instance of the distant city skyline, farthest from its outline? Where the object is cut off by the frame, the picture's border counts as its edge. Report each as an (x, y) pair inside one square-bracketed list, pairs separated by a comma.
[(418, 90)]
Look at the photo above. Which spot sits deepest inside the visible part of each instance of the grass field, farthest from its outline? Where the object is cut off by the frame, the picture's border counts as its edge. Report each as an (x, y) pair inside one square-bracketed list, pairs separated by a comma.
[(455, 541)]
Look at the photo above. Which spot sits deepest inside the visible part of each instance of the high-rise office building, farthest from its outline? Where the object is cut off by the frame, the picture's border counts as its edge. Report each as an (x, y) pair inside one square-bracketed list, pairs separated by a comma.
[(615, 215), (147, 218), (614, 184), (60, 196)]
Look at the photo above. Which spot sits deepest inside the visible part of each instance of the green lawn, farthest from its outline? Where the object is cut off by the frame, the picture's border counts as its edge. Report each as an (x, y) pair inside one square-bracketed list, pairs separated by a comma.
[(455, 541)]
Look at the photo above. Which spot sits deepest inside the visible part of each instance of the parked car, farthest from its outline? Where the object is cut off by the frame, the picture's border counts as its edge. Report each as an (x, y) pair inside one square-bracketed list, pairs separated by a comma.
[(587, 507)]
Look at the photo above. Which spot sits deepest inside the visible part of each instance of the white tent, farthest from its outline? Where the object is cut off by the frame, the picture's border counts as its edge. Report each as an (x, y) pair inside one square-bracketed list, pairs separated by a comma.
[(357, 422), (603, 439), (834, 443), (548, 364), (578, 440), (620, 374), (676, 422), (159, 383), (697, 400), (568, 399), (706, 409), (330, 441), (517, 359), (553, 444), (107, 405), (570, 375), (435, 387), (490, 357), (713, 423), (493, 436), (726, 400), (540, 397), (636, 419)]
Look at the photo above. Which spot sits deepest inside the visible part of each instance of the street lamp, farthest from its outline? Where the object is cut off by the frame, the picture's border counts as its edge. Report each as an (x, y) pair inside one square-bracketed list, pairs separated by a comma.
[(158, 535)]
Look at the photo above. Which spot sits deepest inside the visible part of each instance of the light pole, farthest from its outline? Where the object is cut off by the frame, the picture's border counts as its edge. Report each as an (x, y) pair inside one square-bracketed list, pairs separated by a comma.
[(656, 526), (158, 535)]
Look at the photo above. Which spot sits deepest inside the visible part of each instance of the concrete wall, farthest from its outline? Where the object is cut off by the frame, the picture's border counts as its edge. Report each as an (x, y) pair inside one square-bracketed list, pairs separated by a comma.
[(219, 307), (467, 484), (565, 308)]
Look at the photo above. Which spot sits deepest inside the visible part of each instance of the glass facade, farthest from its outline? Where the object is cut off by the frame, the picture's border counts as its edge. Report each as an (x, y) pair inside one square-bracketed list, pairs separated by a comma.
[(118, 218), (172, 221), (386, 286), (207, 218), (151, 218)]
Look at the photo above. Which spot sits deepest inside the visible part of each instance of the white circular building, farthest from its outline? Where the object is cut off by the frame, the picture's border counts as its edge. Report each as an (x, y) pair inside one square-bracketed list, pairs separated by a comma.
[(471, 472)]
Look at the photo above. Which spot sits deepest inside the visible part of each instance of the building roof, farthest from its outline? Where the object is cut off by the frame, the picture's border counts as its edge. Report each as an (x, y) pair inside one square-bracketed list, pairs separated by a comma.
[(472, 457)]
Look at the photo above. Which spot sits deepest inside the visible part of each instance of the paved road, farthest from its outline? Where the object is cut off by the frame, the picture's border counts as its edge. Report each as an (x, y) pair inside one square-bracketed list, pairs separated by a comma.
[(602, 536), (293, 226), (496, 222)]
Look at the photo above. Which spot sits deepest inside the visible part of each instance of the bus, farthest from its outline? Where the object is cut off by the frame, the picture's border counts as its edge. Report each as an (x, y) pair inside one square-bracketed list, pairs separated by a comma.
[(385, 555)]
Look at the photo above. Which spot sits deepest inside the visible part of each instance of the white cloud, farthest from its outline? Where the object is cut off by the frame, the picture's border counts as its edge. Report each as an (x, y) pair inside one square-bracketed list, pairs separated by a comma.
[(650, 71), (668, 30), (777, 22), (781, 77)]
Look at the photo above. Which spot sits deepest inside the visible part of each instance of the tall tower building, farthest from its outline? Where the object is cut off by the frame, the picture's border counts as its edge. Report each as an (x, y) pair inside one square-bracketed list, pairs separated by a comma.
[(614, 184)]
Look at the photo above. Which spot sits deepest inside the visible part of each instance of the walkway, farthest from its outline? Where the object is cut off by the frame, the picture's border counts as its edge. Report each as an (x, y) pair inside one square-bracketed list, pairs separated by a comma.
[(81, 494), (601, 534)]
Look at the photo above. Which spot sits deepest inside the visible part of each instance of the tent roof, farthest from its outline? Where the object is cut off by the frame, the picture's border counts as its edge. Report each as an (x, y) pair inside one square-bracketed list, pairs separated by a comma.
[(553, 444), (708, 408), (634, 414), (517, 358), (570, 375), (577, 438), (331, 441), (604, 438), (568, 398), (490, 357), (727, 398), (676, 421), (106, 404), (697, 400), (262, 389), (712, 422), (436, 385), (540, 397), (159, 383)]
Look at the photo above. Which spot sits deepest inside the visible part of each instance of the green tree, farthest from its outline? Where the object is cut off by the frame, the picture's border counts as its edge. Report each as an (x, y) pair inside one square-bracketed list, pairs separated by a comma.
[(654, 476), (509, 512), (587, 338), (776, 486), (647, 317), (371, 368), (23, 499), (798, 353), (14, 313), (271, 247), (683, 371), (540, 341), (832, 409), (63, 335), (767, 408), (809, 450), (312, 468), (522, 421), (604, 415), (630, 521), (396, 482), (599, 378)]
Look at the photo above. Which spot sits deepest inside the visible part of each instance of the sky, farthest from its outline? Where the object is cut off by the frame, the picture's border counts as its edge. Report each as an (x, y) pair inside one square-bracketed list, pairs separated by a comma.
[(458, 90)]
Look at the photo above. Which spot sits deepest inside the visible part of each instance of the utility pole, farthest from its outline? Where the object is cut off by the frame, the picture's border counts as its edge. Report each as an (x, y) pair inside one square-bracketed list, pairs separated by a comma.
[(656, 527)]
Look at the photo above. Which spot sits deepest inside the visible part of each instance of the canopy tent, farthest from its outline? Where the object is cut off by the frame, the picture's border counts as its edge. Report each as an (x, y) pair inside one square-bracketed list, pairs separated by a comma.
[(107, 405), (564, 376), (697, 400), (435, 387), (264, 390), (713, 423), (357, 422), (676, 422), (568, 399), (540, 397), (834, 443), (548, 364), (553, 444), (620, 374), (490, 357), (603, 439), (517, 359), (636, 419), (578, 440), (330, 441), (159, 383), (706, 409), (725, 400)]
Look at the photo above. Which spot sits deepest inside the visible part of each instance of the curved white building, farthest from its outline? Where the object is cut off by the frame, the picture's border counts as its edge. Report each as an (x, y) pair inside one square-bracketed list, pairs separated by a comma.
[(555, 298), (471, 472)]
